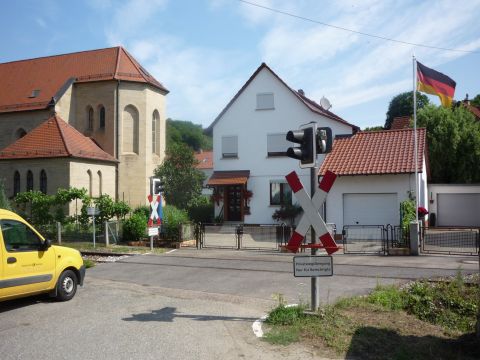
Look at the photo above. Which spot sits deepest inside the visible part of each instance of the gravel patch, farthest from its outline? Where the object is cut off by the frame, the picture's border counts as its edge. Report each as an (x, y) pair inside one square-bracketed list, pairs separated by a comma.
[(104, 258)]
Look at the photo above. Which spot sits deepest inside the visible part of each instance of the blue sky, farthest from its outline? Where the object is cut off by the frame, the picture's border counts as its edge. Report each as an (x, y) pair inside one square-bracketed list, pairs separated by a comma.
[(203, 51)]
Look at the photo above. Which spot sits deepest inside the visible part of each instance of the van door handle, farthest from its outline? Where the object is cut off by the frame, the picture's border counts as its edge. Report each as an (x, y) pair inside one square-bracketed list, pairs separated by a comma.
[(11, 260)]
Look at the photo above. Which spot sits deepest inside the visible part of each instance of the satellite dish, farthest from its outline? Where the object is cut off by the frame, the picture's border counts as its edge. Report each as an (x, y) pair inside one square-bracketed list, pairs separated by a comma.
[(325, 103)]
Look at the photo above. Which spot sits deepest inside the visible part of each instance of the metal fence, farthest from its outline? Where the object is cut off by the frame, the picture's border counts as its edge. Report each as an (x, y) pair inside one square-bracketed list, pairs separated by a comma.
[(364, 239), (243, 236), (455, 241)]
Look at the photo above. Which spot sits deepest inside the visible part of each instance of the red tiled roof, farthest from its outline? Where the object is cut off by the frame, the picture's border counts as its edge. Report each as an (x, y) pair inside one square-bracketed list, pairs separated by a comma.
[(474, 110), (205, 160), (400, 122), (52, 73), (54, 138), (376, 153), (312, 105), (238, 177)]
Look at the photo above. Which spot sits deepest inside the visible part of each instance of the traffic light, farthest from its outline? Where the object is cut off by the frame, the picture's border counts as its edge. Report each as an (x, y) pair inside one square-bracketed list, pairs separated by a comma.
[(157, 186), (324, 140), (307, 152)]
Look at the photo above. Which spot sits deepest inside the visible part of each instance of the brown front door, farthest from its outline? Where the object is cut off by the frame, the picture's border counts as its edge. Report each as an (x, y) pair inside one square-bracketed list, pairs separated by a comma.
[(233, 196)]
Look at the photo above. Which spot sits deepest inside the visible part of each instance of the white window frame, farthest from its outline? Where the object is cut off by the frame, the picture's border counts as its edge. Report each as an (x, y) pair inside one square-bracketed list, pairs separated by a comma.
[(277, 145), (230, 147), (265, 101)]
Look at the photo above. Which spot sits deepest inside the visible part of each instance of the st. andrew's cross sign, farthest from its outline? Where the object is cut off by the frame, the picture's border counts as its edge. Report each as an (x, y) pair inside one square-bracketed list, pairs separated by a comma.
[(311, 214)]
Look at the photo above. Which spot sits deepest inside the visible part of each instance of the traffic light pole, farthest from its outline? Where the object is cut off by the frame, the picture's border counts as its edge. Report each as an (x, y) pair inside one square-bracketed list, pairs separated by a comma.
[(315, 295)]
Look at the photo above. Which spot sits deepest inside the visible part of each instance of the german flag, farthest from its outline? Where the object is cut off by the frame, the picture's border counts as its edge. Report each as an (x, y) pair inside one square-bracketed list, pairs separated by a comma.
[(433, 82)]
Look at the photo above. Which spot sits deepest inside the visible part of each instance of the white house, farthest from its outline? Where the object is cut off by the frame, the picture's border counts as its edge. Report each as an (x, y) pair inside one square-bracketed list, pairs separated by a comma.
[(375, 173), (249, 147)]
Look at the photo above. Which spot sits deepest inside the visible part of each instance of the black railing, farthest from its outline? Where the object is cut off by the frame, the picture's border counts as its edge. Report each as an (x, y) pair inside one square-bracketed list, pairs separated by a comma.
[(461, 241)]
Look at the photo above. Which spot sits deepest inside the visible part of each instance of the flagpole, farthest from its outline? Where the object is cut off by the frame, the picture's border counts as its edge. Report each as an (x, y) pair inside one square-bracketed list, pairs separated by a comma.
[(415, 134)]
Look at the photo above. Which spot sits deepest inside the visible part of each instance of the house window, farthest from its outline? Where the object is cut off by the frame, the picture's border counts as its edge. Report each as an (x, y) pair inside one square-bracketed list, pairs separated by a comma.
[(29, 181), (277, 145), (156, 133), (265, 101), (43, 181), (16, 183), (102, 117), (90, 118), (99, 173), (229, 146), (90, 180), (130, 130), (280, 193)]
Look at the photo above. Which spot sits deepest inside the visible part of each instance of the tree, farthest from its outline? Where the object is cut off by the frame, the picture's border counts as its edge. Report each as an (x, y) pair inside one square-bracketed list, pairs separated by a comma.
[(476, 101), (182, 181), (453, 138), (4, 203), (402, 105), (373, 128), (188, 133)]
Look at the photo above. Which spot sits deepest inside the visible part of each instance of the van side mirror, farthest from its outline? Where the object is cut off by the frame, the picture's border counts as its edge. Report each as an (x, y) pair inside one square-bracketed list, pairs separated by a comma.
[(46, 244)]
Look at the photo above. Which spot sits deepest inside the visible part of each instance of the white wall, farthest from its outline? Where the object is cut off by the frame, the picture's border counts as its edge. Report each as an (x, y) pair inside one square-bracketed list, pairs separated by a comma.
[(252, 126)]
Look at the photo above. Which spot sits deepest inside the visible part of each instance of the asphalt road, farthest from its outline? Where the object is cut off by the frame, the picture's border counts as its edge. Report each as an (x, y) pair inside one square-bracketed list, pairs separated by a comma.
[(189, 305)]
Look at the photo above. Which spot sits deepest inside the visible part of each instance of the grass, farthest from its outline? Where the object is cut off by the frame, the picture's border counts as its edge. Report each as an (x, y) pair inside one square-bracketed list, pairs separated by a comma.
[(114, 249), (88, 263), (420, 321)]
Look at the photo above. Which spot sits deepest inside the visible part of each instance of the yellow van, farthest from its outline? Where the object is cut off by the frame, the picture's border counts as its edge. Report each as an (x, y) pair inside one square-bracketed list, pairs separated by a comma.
[(30, 265)]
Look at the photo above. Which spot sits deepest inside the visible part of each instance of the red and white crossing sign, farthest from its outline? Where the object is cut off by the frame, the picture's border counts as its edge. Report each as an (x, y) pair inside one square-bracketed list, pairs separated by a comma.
[(311, 216), (154, 203)]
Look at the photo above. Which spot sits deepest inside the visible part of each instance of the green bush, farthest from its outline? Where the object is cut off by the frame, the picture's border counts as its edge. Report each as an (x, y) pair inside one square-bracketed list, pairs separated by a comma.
[(285, 315), (143, 210), (172, 218), (201, 210), (134, 228)]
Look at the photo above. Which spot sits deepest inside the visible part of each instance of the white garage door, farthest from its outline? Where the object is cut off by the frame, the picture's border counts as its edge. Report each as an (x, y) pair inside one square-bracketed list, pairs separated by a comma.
[(371, 209), (458, 209)]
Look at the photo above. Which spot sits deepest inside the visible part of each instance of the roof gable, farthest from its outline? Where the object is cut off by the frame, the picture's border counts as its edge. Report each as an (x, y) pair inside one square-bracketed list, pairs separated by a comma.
[(48, 75), (310, 104), (54, 138), (376, 153)]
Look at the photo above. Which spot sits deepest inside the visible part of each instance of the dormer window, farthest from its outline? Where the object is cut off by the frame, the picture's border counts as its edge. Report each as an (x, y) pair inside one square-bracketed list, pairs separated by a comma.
[(265, 101), (35, 93)]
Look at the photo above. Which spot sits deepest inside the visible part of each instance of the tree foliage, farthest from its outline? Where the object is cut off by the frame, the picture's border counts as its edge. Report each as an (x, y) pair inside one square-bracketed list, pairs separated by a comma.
[(182, 181), (402, 105), (476, 101), (453, 138), (187, 133), (373, 128), (4, 202)]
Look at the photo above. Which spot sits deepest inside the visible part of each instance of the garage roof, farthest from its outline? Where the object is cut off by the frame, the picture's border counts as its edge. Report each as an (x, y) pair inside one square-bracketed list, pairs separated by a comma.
[(376, 153)]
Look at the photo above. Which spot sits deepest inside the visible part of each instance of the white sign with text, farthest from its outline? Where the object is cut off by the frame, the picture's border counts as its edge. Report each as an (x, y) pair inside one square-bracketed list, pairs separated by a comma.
[(312, 266)]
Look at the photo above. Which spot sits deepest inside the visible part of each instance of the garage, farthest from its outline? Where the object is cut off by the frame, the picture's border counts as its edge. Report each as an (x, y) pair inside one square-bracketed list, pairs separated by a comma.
[(458, 209), (371, 209)]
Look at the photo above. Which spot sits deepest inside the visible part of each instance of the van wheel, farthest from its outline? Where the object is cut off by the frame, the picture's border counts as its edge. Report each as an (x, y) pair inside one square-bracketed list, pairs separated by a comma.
[(66, 285)]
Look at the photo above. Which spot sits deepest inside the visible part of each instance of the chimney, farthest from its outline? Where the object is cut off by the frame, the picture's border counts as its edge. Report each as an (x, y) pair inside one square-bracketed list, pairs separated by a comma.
[(301, 92)]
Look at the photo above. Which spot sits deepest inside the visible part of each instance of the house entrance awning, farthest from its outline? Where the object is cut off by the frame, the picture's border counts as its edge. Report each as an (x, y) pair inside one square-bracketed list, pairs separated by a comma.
[(221, 178)]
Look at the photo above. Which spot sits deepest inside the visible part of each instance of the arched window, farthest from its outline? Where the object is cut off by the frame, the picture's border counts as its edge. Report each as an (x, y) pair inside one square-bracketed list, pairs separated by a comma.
[(29, 180), (156, 133), (43, 181), (89, 118), (99, 173), (130, 130), (102, 117), (89, 182), (20, 133), (16, 183)]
